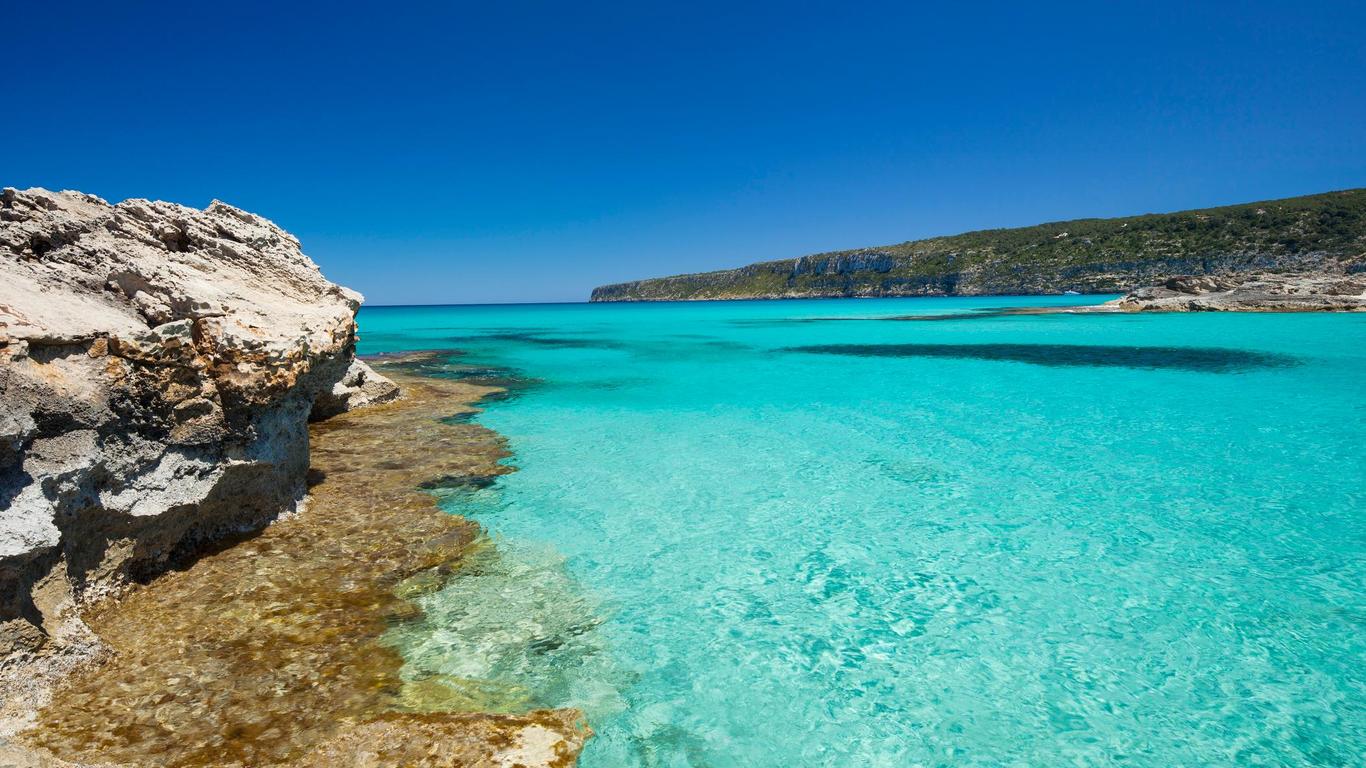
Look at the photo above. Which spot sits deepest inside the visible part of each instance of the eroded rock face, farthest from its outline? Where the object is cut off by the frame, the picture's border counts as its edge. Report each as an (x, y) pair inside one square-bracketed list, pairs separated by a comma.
[(158, 366)]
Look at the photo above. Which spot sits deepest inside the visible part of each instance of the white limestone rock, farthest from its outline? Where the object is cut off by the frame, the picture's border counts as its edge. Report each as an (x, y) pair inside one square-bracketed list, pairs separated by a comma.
[(158, 366), (1263, 292)]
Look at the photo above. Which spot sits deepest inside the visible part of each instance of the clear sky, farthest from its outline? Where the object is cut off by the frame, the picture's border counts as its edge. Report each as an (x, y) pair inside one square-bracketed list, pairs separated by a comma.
[(523, 151)]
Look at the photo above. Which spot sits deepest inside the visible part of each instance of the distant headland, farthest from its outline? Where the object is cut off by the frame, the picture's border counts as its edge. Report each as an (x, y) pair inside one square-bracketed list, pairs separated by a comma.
[(1296, 242)]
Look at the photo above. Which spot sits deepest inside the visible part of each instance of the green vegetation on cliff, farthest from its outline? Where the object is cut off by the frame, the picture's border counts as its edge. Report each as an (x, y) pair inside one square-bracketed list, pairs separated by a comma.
[(1325, 232)]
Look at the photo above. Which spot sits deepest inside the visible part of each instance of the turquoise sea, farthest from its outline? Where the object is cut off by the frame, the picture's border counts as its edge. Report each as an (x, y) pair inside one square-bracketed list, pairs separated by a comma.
[(805, 533)]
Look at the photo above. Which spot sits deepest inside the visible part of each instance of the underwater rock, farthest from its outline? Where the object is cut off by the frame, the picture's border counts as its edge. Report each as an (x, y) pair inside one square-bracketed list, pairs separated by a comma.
[(158, 366)]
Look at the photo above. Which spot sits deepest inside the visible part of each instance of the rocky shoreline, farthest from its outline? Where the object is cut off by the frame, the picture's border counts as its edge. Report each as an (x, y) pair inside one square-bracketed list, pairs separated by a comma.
[(158, 367), (272, 651), (1311, 292), (159, 370), (1331, 291), (1320, 234), (1334, 290)]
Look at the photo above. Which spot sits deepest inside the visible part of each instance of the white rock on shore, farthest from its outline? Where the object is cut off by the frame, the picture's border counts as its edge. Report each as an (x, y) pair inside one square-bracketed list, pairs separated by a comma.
[(1266, 292), (158, 366)]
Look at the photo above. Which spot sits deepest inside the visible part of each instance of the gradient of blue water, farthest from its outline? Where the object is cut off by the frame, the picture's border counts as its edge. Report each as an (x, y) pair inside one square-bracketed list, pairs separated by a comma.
[(822, 559)]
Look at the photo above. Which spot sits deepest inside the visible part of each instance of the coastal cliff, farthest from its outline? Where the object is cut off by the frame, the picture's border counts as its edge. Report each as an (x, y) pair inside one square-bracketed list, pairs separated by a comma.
[(158, 368), (1318, 234)]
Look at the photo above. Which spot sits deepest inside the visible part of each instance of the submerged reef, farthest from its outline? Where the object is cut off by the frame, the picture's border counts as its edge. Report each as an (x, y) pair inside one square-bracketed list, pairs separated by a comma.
[(278, 650), (1198, 359)]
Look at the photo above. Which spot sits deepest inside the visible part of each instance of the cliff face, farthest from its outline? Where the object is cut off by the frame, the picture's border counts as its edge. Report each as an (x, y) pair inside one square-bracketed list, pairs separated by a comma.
[(158, 367), (1319, 234)]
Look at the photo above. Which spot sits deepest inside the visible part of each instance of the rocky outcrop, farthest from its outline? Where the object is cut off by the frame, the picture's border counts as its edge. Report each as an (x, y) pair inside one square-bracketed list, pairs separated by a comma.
[(1256, 293), (158, 367), (358, 387)]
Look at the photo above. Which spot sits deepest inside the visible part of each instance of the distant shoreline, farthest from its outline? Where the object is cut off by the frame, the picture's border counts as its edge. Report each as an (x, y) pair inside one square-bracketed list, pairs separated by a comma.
[(1321, 234), (369, 307)]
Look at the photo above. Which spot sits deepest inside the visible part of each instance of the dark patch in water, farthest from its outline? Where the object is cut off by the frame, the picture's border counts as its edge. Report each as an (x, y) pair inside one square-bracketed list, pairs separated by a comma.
[(459, 482), (700, 340), (1060, 310), (510, 387), (446, 365), (791, 320), (488, 329), (538, 339), (1206, 359), (421, 363), (486, 376), (784, 321), (726, 344), (974, 315), (502, 395)]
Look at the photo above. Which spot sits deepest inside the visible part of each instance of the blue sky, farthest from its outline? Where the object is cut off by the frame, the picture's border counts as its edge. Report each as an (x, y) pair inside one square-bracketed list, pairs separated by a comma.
[(490, 152)]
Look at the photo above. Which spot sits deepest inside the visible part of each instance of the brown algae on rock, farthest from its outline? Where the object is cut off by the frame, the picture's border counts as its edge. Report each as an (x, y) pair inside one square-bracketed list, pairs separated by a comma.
[(273, 650)]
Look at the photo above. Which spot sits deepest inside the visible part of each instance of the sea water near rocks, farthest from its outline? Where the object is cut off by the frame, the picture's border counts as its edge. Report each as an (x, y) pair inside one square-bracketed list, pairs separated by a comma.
[(804, 533)]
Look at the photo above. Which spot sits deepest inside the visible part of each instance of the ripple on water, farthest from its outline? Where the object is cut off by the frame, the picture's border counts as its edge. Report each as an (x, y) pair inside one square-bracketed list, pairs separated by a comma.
[(1072, 540), (508, 632)]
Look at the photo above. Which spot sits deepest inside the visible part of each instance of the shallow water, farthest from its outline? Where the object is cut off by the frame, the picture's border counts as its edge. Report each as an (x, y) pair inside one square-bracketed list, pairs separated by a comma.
[(277, 651), (805, 535)]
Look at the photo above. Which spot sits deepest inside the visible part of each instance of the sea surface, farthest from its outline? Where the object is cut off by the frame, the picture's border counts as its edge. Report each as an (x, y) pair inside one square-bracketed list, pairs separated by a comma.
[(810, 533)]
